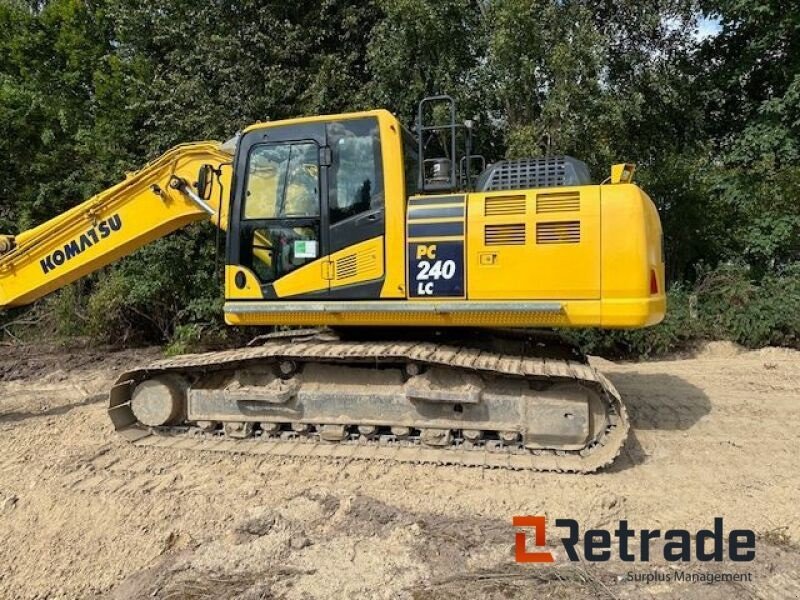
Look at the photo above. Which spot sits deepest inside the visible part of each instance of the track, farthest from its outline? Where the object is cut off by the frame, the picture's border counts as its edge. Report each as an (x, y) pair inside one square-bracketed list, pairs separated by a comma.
[(598, 452)]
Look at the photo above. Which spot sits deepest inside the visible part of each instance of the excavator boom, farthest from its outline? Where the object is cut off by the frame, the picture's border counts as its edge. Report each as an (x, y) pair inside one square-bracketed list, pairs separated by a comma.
[(150, 203)]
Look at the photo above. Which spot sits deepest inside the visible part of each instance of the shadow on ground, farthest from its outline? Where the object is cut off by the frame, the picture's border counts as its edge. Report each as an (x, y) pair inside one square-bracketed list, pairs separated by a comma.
[(15, 417), (660, 401)]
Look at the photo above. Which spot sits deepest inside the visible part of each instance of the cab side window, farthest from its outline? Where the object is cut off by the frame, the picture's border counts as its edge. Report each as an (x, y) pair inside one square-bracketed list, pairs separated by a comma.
[(356, 179), (274, 251)]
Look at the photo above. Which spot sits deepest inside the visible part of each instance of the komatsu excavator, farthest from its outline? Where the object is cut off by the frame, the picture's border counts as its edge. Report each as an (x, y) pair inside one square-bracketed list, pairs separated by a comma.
[(427, 286)]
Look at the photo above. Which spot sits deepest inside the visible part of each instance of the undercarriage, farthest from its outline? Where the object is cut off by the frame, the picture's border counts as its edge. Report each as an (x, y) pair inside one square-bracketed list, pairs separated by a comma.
[(503, 398)]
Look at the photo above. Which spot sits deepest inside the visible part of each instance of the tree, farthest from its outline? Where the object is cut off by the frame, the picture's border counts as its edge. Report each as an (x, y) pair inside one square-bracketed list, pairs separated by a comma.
[(753, 105)]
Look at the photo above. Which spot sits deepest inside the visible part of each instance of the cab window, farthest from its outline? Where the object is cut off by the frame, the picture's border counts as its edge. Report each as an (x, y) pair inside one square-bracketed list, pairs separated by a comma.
[(282, 182), (356, 178), (281, 212), (277, 250)]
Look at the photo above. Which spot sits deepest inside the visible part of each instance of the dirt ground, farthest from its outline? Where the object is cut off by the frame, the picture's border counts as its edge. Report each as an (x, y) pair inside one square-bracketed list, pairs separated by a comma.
[(84, 514)]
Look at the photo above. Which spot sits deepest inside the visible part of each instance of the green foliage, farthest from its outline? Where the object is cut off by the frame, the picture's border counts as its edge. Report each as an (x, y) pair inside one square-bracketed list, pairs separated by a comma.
[(425, 47), (168, 283), (679, 331), (733, 306), (186, 338), (89, 90), (66, 308), (205, 70), (725, 304)]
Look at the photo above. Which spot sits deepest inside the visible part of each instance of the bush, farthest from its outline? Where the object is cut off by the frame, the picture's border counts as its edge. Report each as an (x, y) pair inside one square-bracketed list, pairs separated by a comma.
[(186, 338), (109, 312), (66, 310), (165, 285), (735, 308), (677, 331)]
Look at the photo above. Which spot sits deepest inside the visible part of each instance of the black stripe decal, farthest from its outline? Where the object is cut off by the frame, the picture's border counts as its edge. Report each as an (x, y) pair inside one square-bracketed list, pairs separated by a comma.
[(435, 213), (425, 200), (435, 229)]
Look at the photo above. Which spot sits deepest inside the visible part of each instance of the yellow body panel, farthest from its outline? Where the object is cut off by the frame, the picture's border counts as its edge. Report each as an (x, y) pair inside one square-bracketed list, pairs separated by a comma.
[(356, 264), (110, 225), (593, 268), (632, 248), (310, 278), (359, 263), (534, 244), (394, 284), (252, 287)]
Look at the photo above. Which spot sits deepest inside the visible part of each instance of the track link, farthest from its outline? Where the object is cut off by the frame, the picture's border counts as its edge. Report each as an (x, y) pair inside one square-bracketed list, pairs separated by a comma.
[(597, 453)]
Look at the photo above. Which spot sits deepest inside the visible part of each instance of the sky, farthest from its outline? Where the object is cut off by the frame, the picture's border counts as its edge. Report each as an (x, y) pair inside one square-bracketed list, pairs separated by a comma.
[(707, 27)]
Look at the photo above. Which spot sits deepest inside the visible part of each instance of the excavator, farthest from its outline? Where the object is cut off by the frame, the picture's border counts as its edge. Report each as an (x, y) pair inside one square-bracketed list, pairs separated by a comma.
[(413, 291)]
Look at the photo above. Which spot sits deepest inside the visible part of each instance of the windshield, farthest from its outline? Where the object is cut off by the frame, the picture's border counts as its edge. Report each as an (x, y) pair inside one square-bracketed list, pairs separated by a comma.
[(282, 181)]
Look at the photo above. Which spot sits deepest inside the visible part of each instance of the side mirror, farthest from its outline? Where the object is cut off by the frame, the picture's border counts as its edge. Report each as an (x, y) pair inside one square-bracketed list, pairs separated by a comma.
[(204, 181)]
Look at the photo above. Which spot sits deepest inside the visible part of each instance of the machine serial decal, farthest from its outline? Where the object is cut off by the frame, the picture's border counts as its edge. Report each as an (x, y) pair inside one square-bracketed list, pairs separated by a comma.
[(86, 240), (436, 269)]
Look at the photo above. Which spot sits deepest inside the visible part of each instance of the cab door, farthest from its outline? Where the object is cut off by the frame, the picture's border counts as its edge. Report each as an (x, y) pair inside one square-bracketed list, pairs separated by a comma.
[(356, 211), (279, 218)]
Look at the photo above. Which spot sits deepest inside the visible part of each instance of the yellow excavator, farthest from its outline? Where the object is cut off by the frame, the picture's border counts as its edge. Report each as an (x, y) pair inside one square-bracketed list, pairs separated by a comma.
[(430, 280)]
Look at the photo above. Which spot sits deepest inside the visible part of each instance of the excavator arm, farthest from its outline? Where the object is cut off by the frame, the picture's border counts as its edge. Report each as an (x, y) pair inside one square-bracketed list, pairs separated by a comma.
[(160, 198)]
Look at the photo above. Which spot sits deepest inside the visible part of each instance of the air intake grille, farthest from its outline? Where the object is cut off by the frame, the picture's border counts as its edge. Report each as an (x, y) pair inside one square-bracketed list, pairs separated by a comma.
[(346, 267), (504, 235), (558, 232), (356, 264), (504, 206), (549, 203), (531, 173)]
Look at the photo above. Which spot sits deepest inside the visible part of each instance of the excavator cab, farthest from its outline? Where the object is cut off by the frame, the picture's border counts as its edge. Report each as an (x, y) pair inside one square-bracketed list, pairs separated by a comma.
[(309, 194)]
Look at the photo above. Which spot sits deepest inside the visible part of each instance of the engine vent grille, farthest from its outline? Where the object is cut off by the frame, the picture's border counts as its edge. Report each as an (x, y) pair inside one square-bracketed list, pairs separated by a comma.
[(549, 203), (558, 232), (512, 234), (504, 206), (346, 267)]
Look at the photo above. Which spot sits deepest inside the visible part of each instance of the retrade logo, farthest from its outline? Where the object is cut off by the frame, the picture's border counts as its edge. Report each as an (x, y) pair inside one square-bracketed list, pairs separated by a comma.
[(521, 553), (631, 545)]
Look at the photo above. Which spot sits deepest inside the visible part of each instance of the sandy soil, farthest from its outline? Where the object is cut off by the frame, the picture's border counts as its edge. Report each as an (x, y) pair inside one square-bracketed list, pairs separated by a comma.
[(83, 514)]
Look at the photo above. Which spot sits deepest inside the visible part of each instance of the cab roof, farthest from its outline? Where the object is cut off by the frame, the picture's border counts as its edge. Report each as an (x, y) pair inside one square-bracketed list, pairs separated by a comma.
[(380, 113)]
